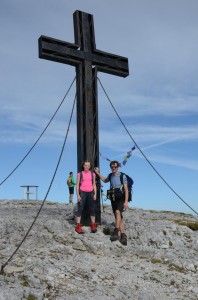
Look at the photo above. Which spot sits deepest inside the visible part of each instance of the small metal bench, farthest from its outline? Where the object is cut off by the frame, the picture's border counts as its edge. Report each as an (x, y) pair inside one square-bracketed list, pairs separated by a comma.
[(30, 189)]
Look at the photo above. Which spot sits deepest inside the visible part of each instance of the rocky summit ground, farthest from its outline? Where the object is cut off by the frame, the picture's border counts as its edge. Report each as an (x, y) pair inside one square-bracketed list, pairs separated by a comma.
[(55, 263)]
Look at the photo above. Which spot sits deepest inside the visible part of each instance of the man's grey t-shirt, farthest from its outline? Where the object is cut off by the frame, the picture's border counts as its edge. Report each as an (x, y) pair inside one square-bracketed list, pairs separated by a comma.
[(115, 180)]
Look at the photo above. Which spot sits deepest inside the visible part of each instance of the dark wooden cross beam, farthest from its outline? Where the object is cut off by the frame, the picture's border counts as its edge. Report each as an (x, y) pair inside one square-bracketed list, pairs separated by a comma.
[(87, 60)]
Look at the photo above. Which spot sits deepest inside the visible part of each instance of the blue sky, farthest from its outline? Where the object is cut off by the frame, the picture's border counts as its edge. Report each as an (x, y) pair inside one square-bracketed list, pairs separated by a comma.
[(158, 101)]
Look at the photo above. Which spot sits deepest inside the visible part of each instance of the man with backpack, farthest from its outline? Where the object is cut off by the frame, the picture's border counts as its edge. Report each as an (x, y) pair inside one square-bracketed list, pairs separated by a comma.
[(118, 195), (71, 183)]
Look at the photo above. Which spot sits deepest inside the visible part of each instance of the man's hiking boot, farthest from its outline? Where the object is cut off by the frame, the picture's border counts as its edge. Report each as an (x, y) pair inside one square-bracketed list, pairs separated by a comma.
[(79, 229), (115, 235), (123, 239), (93, 227)]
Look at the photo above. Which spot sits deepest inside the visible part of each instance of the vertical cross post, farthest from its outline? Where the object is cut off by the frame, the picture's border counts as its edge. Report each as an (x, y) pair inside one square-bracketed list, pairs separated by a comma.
[(88, 61)]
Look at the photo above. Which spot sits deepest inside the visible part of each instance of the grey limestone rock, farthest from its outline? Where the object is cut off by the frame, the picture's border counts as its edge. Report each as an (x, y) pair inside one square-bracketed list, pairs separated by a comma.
[(160, 260)]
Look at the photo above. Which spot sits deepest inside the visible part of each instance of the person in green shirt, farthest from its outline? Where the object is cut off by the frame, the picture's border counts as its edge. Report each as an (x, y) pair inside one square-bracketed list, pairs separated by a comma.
[(71, 183)]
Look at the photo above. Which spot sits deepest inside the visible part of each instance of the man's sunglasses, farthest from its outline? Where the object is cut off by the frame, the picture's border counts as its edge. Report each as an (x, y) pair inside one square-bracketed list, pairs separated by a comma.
[(114, 167)]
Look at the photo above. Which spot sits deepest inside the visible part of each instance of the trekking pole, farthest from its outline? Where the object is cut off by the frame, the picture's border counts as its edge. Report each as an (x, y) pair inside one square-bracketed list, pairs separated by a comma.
[(101, 191)]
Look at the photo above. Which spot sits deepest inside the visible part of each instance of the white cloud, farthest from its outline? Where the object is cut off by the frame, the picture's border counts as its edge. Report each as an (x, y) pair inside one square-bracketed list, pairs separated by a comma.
[(184, 163), (148, 135)]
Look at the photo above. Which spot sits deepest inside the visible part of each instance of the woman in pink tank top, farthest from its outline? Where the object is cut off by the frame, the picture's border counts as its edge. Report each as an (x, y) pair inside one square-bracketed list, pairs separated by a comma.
[(86, 191)]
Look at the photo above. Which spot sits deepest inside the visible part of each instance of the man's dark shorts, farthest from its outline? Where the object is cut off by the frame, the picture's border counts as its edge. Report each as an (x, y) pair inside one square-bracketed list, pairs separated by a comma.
[(118, 205), (71, 190)]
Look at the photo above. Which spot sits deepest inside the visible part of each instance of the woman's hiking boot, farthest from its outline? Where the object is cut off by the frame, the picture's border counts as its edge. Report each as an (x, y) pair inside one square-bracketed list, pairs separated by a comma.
[(79, 229), (93, 227), (115, 235), (123, 239)]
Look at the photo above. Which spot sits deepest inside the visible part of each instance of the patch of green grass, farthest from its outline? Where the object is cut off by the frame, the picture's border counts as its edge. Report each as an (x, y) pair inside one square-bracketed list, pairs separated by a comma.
[(193, 225), (156, 261), (174, 267), (177, 213), (31, 297), (172, 282), (106, 231), (156, 271), (24, 280), (170, 212)]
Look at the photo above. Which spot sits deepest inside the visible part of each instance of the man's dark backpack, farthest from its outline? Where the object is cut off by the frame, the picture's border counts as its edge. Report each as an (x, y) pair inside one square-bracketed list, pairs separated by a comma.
[(130, 183)]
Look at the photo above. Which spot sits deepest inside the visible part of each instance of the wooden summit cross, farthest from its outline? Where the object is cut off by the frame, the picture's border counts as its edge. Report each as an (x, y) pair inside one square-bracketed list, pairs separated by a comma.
[(87, 60)]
